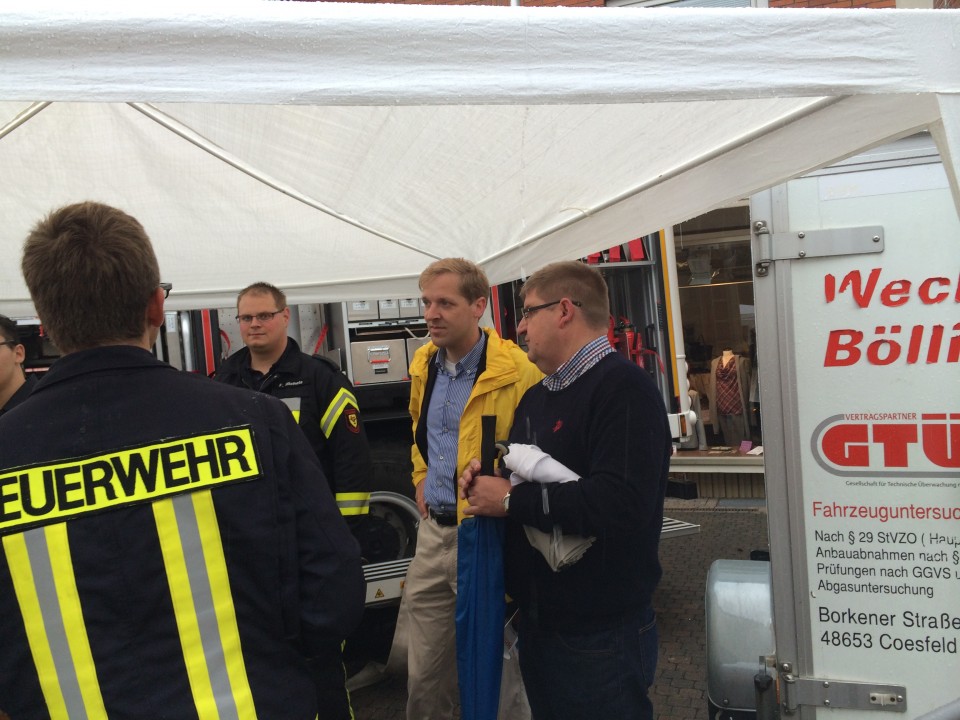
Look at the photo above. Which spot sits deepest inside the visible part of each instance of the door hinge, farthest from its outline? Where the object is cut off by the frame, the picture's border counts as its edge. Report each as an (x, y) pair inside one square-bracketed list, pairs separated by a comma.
[(764, 252), (855, 695), (813, 243)]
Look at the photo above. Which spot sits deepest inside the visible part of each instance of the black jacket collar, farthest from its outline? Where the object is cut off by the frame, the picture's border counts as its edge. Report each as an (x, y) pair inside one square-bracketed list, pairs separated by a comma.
[(109, 358), (22, 393)]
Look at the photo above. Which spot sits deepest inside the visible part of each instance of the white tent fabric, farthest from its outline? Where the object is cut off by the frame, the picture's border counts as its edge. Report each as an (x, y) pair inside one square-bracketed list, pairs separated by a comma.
[(336, 149)]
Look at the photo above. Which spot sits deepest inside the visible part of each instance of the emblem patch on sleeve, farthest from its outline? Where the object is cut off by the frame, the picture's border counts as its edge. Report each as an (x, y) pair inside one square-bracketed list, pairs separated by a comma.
[(352, 418)]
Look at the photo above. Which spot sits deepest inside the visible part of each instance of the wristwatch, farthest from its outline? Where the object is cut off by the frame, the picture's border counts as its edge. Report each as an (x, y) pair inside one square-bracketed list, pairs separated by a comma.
[(506, 503)]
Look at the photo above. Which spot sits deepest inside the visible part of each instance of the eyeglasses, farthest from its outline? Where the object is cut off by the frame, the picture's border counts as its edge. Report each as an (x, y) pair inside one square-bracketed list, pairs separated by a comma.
[(261, 317), (528, 311), (9, 343), (166, 287)]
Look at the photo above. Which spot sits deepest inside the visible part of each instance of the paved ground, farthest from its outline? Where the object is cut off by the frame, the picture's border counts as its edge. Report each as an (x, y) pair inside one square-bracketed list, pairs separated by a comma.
[(728, 529)]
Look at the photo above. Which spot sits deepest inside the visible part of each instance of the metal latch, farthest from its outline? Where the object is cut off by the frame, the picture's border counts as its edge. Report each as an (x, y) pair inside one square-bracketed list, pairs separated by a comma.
[(814, 243), (815, 692), (378, 354)]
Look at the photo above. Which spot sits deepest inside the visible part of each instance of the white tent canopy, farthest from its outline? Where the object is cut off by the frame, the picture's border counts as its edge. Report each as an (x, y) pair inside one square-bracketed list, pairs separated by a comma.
[(335, 150)]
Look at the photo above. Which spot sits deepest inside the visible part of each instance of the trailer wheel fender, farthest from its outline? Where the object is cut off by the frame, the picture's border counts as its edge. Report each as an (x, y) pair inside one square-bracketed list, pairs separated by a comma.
[(390, 532)]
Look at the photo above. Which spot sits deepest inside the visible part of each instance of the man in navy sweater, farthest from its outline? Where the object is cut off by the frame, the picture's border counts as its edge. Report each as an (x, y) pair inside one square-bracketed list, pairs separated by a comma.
[(588, 638)]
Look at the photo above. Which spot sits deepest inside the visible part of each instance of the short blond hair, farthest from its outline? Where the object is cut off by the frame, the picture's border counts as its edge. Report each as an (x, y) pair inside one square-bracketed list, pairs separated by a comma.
[(264, 288), (473, 280), (576, 281)]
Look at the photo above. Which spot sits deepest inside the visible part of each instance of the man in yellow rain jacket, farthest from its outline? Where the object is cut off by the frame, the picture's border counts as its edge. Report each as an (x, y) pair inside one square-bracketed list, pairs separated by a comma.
[(465, 372)]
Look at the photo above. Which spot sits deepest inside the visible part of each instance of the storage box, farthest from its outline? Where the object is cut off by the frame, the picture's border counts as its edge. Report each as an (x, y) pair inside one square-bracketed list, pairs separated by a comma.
[(378, 361), (414, 344), (410, 308), (362, 310), (389, 309)]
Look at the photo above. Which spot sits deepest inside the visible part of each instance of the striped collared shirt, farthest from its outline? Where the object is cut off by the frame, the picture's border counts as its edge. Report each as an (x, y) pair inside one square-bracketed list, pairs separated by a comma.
[(447, 402), (584, 359)]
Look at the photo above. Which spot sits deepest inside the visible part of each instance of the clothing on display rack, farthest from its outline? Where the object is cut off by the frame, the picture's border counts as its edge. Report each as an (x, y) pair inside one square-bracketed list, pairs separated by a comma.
[(727, 395)]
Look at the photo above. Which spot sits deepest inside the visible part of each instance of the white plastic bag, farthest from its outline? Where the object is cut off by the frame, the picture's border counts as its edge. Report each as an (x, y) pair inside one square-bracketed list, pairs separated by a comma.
[(529, 463)]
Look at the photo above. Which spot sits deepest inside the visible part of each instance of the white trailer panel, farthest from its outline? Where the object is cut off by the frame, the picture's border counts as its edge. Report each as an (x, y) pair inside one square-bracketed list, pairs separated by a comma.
[(858, 312)]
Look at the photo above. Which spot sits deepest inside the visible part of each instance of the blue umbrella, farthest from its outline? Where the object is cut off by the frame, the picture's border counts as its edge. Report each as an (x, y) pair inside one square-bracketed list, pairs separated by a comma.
[(481, 605)]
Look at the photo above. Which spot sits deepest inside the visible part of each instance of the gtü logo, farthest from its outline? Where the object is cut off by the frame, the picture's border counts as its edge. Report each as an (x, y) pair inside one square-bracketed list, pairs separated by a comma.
[(928, 447)]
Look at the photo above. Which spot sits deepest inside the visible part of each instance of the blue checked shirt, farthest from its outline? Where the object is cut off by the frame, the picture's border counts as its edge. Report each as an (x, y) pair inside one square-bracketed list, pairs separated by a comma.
[(447, 402), (584, 359)]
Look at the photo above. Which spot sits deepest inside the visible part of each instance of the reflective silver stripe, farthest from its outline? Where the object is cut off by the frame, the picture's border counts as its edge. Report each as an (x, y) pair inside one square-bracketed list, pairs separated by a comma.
[(203, 603), (334, 410), (293, 403), (36, 544)]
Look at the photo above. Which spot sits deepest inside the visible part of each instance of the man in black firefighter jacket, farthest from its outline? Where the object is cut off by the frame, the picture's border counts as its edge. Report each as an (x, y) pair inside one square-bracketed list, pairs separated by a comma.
[(322, 402), (15, 385), (169, 549)]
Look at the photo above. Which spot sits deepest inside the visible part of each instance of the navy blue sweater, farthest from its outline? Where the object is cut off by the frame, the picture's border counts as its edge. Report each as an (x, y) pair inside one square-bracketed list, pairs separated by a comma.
[(610, 428)]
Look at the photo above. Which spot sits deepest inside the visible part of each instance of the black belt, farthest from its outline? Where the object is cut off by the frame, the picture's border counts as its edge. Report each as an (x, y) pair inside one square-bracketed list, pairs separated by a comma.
[(446, 519)]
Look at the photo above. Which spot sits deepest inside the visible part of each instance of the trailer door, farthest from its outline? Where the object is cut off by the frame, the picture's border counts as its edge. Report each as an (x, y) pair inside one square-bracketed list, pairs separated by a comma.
[(857, 281)]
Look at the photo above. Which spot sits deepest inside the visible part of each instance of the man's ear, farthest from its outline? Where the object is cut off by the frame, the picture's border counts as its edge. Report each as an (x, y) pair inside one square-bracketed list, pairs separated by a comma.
[(480, 304), (154, 316)]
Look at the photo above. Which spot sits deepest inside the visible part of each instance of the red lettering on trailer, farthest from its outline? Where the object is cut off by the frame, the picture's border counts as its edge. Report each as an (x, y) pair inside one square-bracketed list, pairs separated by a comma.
[(848, 346), (893, 294), (882, 446)]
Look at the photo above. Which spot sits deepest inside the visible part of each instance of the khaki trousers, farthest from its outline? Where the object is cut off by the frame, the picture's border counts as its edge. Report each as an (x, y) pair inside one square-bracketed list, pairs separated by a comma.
[(426, 626)]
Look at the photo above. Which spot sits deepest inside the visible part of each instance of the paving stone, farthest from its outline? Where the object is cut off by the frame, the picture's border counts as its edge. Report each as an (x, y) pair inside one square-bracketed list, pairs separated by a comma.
[(679, 692)]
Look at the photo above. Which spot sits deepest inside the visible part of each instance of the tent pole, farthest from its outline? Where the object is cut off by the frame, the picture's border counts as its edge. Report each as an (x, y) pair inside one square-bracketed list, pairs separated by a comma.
[(22, 118), (946, 134)]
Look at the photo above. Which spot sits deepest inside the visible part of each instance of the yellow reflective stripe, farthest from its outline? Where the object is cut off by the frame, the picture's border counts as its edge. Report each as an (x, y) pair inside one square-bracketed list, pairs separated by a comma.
[(343, 667), (69, 597), (46, 493), (293, 405), (223, 603), (21, 572), (340, 402), (353, 503), (184, 610)]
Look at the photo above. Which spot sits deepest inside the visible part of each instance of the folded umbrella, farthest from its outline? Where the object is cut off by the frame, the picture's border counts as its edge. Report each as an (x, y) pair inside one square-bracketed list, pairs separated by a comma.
[(481, 601)]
